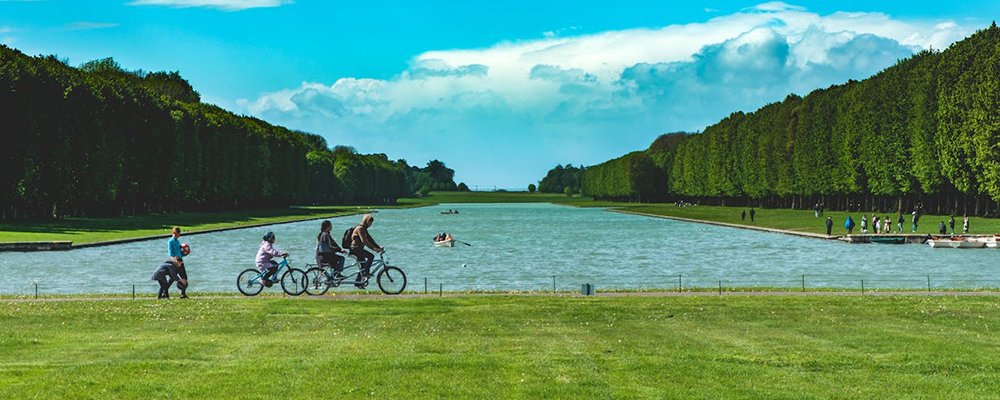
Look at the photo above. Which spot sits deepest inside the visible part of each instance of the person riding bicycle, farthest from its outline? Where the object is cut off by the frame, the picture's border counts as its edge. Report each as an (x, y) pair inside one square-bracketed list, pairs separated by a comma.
[(359, 239), (265, 255), (327, 249)]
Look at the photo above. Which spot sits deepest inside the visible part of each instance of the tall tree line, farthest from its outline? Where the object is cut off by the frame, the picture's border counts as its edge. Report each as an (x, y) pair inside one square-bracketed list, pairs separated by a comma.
[(100, 140), (925, 131)]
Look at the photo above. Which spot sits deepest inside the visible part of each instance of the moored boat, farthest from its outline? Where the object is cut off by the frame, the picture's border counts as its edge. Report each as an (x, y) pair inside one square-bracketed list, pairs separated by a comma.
[(956, 242)]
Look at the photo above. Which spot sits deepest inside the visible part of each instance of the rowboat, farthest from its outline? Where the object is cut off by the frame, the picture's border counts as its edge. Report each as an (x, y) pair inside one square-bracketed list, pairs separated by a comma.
[(449, 212), (887, 239), (445, 243), (988, 241), (957, 242)]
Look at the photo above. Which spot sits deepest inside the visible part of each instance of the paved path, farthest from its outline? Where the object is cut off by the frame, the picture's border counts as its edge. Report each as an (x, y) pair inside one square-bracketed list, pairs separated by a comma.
[(359, 296)]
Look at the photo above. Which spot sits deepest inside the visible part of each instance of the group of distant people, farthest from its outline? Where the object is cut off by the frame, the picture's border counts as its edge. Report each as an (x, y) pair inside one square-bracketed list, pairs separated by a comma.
[(743, 215), (441, 237), (356, 239)]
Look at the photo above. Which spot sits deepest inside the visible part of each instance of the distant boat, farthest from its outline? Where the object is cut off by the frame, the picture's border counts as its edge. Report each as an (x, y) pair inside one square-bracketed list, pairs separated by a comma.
[(449, 212), (956, 242), (887, 239), (445, 243)]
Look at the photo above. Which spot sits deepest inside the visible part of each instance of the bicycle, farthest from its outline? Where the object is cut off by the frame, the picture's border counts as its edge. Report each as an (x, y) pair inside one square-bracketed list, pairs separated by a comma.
[(390, 279), (293, 280)]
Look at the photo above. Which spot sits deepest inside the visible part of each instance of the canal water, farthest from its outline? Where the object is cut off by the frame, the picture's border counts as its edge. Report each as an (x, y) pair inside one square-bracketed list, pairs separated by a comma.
[(519, 247)]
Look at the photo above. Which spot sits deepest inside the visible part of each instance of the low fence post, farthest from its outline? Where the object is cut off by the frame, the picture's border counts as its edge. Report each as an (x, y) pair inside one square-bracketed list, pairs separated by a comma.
[(553, 283), (680, 286), (441, 289), (720, 288), (425, 285), (862, 286), (36, 290), (133, 291), (928, 283), (803, 283)]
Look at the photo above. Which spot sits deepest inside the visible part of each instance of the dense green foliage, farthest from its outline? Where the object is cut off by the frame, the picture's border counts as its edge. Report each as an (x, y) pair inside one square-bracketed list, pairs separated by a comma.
[(924, 131), (99, 140), (435, 176), (500, 347), (560, 178)]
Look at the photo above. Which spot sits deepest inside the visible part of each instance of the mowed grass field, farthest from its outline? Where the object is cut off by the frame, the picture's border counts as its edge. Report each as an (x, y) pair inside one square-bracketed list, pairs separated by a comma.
[(779, 347), (92, 230), (805, 221)]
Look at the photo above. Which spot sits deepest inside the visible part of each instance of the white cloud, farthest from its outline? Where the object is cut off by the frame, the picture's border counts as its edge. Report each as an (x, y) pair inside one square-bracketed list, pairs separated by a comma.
[(587, 98), (228, 5), (6, 29)]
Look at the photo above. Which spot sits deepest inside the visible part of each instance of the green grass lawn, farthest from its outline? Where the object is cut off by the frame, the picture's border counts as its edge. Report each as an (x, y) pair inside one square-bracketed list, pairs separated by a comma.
[(504, 347), (90, 230), (804, 221)]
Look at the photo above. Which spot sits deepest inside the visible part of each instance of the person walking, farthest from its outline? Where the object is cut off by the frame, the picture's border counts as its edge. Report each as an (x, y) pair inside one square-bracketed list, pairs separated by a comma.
[(167, 273), (849, 225), (887, 228), (965, 224), (743, 216), (942, 229), (951, 223), (864, 224), (829, 226), (899, 224), (752, 214), (360, 238), (915, 218), (875, 224)]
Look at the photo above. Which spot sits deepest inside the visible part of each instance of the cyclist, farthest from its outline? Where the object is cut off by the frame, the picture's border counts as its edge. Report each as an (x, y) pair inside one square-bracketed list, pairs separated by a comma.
[(359, 239), (265, 255), (326, 250)]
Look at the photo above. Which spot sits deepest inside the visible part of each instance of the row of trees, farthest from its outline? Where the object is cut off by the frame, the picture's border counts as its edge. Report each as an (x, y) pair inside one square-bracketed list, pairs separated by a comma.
[(562, 179), (926, 130), (100, 140)]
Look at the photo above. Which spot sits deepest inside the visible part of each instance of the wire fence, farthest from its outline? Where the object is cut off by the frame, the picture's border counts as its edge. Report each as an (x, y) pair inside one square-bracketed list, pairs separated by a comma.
[(573, 284)]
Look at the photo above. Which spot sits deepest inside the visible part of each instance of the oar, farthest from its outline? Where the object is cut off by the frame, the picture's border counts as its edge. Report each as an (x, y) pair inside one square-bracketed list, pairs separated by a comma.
[(459, 241)]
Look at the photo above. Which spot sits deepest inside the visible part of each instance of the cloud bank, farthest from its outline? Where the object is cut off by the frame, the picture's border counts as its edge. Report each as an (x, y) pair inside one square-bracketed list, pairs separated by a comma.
[(228, 5), (505, 114)]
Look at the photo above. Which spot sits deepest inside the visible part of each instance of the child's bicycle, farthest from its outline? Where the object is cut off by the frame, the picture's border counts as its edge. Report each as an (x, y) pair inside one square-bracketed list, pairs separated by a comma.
[(390, 279), (293, 280)]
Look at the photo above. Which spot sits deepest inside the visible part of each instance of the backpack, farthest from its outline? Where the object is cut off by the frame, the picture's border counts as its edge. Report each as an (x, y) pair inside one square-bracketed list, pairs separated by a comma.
[(346, 241)]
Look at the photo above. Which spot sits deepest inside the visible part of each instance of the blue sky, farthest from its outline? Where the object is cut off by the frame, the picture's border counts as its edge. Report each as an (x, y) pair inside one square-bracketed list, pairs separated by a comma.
[(500, 92)]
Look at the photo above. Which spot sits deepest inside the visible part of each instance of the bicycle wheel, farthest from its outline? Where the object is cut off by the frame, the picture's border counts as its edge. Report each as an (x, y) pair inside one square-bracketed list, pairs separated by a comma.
[(293, 281), (316, 284), (248, 282), (391, 280)]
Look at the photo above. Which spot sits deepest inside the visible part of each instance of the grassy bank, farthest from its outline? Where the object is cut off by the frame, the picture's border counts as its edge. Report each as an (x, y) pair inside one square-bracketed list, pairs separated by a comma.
[(804, 221), (503, 347), (91, 230)]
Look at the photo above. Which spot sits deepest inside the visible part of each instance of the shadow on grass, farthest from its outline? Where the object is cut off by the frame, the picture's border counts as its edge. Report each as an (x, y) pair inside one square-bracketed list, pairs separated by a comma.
[(166, 221)]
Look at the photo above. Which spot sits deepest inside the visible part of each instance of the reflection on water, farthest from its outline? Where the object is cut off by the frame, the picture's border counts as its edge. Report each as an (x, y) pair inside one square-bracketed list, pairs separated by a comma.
[(521, 247)]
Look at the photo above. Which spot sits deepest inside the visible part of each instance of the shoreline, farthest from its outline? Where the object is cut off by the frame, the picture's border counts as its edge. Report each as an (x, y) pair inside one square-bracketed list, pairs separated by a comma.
[(739, 226), (65, 245)]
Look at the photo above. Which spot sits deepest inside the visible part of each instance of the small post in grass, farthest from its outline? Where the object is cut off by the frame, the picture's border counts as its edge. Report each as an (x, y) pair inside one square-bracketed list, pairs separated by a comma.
[(425, 285), (133, 291), (441, 289), (928, 283), (553, 283), (680, 286), (720, 287), (36, 290), (803, 283), (862, 286)]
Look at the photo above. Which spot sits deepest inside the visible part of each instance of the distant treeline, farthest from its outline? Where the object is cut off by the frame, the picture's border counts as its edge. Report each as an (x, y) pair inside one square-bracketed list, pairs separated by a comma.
[(100, 140), (924, 131)]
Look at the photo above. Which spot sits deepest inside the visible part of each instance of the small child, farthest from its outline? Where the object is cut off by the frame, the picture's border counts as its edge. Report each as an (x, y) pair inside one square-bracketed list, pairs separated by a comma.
[(265, 255)]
